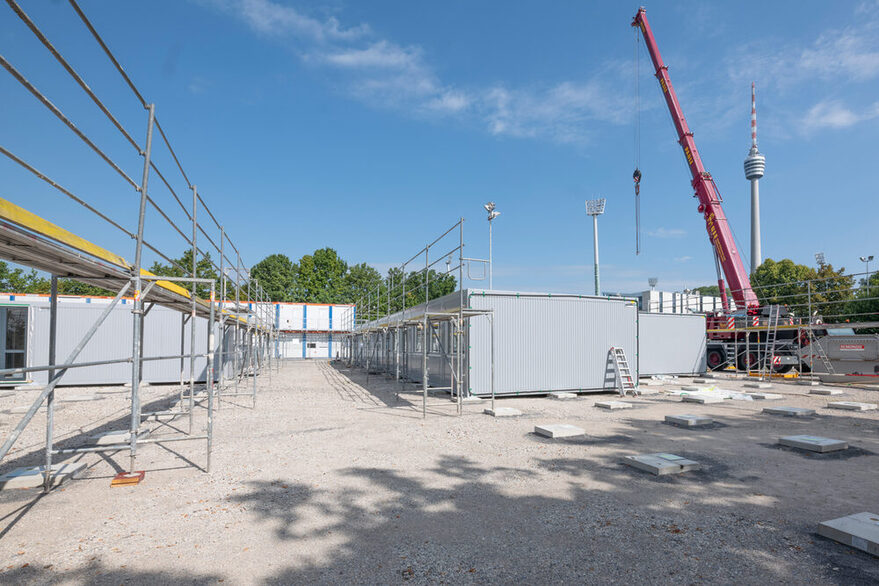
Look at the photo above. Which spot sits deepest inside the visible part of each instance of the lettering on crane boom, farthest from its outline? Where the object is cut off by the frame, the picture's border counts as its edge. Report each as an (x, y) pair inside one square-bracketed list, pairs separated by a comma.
[(688, 154), (662, 83), (715, 238)]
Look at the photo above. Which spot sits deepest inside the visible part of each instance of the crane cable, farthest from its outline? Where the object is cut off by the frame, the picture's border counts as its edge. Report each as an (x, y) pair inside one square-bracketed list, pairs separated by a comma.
[(636, 176)]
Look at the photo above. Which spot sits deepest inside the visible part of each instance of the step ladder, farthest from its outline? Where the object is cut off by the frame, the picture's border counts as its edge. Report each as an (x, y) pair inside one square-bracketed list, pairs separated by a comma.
[(771, 335), (814, 344), (627, 384)]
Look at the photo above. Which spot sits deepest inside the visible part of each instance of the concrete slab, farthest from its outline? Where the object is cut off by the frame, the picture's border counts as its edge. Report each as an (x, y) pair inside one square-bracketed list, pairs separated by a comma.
[(765, 396), (78, 398), (789, 411), (688, 420), (33, 477), (832, 392), (852, 406), (117, 436), (860, 531), (645, 391), (808, 383), (559, 430), (471, 400), (758, 385), (692, 388), (561, 396), (702, 380), (661, 464), (813, 443), (651, 383), (502, 412), (701, 399), (613, 405)]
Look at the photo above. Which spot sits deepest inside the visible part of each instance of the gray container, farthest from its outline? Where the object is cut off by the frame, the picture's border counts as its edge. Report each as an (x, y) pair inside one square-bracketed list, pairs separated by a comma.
[(671, 343)]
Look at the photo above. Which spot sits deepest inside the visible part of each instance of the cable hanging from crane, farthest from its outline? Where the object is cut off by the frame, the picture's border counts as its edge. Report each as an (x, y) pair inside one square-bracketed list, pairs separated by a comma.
[(636, 176)]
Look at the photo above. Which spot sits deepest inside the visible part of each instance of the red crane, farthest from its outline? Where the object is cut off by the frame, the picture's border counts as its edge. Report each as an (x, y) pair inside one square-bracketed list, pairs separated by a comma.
[(710, 207)]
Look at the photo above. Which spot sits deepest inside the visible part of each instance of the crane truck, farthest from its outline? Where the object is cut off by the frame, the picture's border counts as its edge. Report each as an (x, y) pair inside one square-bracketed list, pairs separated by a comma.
[(752, 336)]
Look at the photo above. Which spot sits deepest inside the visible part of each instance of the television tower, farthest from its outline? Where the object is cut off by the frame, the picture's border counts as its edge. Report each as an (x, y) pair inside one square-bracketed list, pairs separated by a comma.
[(755, 164)]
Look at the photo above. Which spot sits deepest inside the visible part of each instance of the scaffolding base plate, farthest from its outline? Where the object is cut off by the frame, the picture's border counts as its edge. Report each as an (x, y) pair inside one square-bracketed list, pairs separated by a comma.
[(128, 479)]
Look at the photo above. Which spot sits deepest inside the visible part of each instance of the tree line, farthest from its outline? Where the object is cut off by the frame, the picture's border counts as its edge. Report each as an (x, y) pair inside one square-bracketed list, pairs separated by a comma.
[(832, 292)]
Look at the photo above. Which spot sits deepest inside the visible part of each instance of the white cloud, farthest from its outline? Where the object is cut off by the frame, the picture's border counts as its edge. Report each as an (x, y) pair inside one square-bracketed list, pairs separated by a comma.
[(683, 258), (383, 73), (667, 233), (834, 114)]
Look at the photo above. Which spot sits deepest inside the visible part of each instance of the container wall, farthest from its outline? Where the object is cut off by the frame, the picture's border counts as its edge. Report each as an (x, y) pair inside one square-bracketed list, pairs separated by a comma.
[(549, 343), (671, 344)]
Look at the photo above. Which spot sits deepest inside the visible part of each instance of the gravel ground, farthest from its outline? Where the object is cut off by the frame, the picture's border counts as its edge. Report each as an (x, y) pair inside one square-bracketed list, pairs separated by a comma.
[(328, 480)]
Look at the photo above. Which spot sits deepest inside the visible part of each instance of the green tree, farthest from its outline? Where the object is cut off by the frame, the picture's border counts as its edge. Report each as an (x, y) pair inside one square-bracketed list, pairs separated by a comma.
[(360, 281), (865, 304), (72, 287), (321, 277), (204, 270), (783, 283), (19, 280), (277, 275)]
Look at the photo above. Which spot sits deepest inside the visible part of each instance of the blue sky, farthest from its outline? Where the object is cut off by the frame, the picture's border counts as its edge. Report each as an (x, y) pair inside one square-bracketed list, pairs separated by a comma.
[(372, 126)]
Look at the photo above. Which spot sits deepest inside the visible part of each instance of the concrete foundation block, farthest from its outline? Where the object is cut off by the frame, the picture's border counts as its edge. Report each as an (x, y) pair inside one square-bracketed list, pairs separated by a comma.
[(766, 396), (33, 477), (860, 531), (561, 396), (559, 430), (661, 464), (808, 383), (813, 443), (789, 411), (613, 405), (688, 420), (852, 406), (824, 391), (644, 391), (701, 399), (118, 436), (471, 400), (692, 388), (503, 412), (758, 385)]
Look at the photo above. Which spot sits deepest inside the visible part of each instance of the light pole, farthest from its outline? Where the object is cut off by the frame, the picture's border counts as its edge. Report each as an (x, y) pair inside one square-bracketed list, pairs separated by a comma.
[(866, 260), (492, 214), (594, 208)]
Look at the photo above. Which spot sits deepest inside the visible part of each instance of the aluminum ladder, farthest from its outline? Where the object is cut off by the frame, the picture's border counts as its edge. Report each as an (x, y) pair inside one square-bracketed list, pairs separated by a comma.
[(771, 335), (822, 355), (624, 373)]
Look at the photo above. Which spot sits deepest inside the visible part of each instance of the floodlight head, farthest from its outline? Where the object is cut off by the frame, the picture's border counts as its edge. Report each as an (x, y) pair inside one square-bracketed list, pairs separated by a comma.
[(819, 258), (492, 215), (489, 207), (866, 258), (595, 207), (652, 281)]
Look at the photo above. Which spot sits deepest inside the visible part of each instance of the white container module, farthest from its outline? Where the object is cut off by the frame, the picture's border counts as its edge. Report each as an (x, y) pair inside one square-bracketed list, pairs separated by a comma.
[(671, 343)]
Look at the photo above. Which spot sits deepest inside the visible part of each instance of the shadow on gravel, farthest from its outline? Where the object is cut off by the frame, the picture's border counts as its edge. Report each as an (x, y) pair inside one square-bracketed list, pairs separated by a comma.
[(97, 573)]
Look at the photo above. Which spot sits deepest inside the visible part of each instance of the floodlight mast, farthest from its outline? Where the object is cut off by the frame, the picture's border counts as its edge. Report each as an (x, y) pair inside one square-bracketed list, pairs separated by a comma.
[(594, 208), (866, 260), (492, 214)]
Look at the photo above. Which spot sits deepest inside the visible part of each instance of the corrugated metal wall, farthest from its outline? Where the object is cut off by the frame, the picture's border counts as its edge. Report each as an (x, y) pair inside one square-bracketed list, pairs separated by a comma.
[(548, 342), (162, 337), (672, 344)]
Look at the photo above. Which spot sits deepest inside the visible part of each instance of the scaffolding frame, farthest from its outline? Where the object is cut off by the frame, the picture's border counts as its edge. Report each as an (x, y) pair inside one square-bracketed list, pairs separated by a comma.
[(383, 316), (33, 241)]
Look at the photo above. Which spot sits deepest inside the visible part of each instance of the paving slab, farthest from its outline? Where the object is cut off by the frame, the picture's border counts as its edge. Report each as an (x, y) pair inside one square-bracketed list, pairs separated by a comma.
[(826, 392), (765, 396), (688, 420), (117, 436), (758, 385), (33, 477), (701, 399), (559, 430), (860, 531), (852, 406), (613, 405), (813, 443), (562, 396), (661, 463), (502, 412), (789, 411)]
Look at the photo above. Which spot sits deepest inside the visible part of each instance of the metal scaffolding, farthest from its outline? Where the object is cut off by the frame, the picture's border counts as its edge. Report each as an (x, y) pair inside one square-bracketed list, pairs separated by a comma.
[(397, 315), (239, 325)]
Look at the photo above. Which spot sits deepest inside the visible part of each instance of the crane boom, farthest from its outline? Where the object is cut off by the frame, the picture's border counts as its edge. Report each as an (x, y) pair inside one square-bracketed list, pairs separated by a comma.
[(710, 207)]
